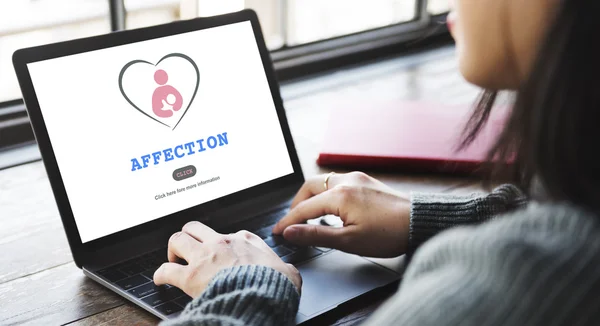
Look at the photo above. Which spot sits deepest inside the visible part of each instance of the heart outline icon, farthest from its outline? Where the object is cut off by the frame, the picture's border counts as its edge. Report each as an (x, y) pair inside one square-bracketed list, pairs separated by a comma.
[(179, 55)]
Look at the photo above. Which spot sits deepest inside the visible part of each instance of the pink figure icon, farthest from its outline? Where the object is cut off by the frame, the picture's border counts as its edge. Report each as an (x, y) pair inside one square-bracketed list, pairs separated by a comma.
[(165, 96)]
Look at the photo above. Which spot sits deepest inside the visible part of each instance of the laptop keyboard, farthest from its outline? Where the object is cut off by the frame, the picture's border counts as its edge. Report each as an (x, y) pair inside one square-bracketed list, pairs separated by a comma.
[(135, 275)]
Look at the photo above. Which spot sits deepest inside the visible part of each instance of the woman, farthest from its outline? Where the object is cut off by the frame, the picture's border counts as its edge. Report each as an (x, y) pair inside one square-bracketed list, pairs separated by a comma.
[(524, 263)]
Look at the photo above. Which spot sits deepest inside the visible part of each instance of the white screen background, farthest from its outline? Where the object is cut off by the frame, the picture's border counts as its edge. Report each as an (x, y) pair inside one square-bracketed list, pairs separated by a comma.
[(95, 132)]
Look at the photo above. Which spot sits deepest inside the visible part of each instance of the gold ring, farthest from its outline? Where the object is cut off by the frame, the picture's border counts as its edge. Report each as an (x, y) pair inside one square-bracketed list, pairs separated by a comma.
[(325, 183)]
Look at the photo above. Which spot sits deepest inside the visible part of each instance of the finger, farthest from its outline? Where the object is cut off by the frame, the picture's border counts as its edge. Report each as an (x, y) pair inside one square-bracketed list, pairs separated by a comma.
[(182, 245), (248, 236), (317, 206), (314, 186), (316, 235), (170, 273), (200, 231)]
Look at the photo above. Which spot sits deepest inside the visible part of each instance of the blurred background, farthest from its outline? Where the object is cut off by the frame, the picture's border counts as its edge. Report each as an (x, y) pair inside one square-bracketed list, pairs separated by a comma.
[(287, 24)]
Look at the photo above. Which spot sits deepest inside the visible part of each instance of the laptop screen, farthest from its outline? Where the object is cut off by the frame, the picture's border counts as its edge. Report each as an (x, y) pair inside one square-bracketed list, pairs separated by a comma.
[(147, 129)]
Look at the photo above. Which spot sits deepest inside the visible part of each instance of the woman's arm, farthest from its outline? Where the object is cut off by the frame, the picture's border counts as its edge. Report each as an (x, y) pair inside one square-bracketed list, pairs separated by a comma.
[(243, 295), (433, 213), (379, 221), (536, 266), (236, 278), (253, 295)]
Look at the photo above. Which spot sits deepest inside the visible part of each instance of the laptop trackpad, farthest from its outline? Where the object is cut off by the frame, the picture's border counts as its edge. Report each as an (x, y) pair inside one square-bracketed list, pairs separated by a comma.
[(336, 278)]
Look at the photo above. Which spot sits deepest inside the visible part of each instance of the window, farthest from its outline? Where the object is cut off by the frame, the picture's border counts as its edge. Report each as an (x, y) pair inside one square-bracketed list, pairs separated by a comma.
[(304, 36), (34, 22), (287, 23), (309, 35), (437, 7), (314, 20)]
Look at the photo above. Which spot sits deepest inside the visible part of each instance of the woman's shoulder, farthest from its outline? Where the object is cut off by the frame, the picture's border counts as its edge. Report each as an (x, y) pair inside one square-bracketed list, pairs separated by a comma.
[(535, 266), (538, 265), (533, 220), (546, 233), (559, 219)]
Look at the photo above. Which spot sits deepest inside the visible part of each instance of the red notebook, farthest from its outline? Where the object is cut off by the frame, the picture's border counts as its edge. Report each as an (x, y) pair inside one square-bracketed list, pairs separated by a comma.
[(405, 136)]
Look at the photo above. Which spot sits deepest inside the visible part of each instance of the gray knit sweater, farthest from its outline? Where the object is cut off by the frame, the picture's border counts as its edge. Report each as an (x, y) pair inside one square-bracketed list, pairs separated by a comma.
[(537, 265)]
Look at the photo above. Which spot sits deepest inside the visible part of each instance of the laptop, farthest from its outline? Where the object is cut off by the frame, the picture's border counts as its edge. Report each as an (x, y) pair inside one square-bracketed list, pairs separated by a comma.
[(142, 131)]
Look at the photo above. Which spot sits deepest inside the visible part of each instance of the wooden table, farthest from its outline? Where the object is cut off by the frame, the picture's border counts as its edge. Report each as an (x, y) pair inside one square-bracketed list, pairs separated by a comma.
[(40, 285)]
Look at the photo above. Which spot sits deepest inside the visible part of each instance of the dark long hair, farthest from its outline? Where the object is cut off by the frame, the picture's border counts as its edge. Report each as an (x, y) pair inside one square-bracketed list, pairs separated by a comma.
[(555, 120)]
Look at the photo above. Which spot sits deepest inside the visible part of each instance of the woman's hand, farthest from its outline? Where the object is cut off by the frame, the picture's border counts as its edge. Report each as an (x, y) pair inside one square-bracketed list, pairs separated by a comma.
[(376, 218), (207, 252)]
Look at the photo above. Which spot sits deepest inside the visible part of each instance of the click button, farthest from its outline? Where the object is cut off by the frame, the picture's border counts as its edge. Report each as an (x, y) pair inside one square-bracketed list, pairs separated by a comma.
[(184, 173)]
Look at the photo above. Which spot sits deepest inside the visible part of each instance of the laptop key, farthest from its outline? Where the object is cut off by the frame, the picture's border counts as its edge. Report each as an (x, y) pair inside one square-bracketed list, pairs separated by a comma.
[(264, 232), (281, 251), (274, 241), (183, 301), (132, 269), (158, 257), (169, 308), (112, 275), (293, 247), (146, 289), (302, 255), (176, 292), (162, 296), (132, 282), (146, 265), (150, 273), (270, 219)]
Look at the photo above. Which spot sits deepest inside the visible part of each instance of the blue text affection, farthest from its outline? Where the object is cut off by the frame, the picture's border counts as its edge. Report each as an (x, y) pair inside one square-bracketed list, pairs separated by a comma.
[(179, 151)]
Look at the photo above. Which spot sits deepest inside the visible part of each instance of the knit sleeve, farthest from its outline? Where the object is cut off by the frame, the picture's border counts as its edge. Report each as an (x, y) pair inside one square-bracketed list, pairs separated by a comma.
[(535, 266), (243, 295), (433, 213)]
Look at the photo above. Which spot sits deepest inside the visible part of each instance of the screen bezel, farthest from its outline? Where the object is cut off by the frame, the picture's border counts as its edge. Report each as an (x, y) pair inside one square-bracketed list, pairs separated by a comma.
[(34, 54)]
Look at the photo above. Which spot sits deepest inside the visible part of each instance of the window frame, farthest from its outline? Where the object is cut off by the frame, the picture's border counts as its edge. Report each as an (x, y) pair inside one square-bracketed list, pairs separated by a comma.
[(118, 15), (420, 21), (289, 62)]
